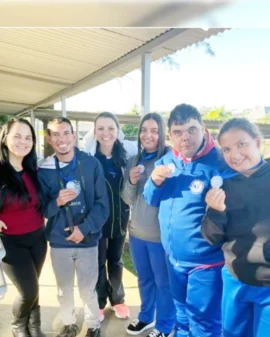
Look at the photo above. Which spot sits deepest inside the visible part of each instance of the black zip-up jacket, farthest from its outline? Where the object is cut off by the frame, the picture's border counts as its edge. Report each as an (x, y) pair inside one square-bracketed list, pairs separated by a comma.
[(116, 225), (244, 228)]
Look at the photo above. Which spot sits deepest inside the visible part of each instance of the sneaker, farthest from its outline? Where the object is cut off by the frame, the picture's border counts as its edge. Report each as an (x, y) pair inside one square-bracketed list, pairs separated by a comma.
[(136, 327), (70, 330), (156, 333), (101, 315), (121, 311), (93, 332)]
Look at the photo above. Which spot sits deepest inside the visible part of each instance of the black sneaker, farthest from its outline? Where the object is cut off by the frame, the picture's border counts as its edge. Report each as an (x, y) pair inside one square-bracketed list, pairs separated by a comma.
[(136, 327), (93, 333), (156, 333), (69, 331)]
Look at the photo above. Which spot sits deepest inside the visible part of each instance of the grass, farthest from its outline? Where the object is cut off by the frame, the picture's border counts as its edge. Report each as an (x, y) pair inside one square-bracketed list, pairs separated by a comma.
[(128, 264)]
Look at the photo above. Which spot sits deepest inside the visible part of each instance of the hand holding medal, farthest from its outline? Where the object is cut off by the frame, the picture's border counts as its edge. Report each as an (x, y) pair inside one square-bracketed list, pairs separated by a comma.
[(134, 174), (141, 168), (171, 166), (215, 197), (161, 172), (65, 196)]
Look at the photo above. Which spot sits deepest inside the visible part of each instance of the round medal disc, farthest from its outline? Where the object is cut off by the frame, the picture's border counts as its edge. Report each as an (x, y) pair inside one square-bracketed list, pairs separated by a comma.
[(216, 181), (171, 166), (142, 168), (70, 185)]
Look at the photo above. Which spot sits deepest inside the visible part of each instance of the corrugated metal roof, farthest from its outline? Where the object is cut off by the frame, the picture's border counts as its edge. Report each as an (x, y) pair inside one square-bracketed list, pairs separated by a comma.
[(41, 64)]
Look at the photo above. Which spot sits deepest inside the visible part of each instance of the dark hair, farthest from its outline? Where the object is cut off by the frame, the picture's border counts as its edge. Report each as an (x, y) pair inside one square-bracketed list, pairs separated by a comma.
[(161, 134), (182, 114), (10, 184), (119, 154), (242, 124), (59, 120)]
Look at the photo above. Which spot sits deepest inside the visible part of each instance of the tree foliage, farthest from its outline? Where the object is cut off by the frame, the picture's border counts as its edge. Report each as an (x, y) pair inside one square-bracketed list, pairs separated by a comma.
[(218, 114), (264, 120), (169, 61), (131, 130), (4, 119)]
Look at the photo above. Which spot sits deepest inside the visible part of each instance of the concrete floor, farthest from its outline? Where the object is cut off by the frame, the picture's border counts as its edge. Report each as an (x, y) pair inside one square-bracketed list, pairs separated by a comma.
[(51, 324)]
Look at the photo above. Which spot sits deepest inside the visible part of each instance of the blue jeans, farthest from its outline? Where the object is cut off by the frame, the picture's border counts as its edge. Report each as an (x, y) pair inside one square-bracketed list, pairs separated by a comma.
[(245, 308), (150, 263), (197, 295), (83, 261)]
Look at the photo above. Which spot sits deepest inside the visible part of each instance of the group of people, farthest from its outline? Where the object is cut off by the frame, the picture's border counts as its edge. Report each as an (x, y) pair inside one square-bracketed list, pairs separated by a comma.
[(199, 225)]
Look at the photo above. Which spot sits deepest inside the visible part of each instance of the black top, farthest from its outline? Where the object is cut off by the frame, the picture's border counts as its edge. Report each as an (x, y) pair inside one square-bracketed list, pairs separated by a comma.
[(244, 228), (116, 225)]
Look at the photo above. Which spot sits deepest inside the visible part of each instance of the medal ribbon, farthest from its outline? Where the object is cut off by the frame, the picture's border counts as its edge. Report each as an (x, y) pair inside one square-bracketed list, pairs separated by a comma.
[(231, 175), (71, 172), (147, 156)]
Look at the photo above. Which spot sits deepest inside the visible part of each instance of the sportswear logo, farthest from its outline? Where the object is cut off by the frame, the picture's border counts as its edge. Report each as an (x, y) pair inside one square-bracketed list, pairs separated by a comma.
[(196, 186)]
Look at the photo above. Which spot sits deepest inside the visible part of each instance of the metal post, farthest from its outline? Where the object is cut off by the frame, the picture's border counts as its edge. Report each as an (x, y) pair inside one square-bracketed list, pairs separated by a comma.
[(64, 111), (38, 138), (146, 76), (32, 115), (77, 132)]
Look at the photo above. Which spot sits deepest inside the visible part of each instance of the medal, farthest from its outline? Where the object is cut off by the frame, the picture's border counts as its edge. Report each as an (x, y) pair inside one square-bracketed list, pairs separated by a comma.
[(71, 185), (171, 166), (142, 168), (216, 181)]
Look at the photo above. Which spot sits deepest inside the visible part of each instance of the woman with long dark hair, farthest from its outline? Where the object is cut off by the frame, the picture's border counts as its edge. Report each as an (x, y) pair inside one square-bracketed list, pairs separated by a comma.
[(145, 246), (106, 146), (22, 223)]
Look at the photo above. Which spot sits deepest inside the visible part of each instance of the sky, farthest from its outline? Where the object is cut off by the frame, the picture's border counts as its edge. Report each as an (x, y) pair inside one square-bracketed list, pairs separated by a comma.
[(236, 77)]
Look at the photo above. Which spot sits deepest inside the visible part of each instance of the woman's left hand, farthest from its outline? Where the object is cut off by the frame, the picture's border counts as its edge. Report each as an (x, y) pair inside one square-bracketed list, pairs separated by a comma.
[(2, 225)]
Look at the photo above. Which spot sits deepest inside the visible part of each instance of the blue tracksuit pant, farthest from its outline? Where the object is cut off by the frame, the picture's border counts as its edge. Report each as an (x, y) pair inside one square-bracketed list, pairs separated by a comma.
[(245, 308), (150, 264), (197, 294)]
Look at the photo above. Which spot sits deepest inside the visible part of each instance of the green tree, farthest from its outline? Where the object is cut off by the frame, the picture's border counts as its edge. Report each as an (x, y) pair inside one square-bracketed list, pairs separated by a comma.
[(264, 120), (4, 119), (218, 114), (131, 130)]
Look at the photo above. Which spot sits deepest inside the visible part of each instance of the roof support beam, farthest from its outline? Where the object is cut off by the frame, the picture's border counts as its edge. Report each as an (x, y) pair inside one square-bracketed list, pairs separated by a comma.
[(64, 110), (32, 116), (34, 78), (77, 132), (82, 116), (146, 83), (14, 103), (38, 138)]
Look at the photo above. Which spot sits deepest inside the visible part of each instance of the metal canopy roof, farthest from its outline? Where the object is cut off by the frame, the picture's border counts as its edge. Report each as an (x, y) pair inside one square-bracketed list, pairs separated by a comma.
[(38, 66)]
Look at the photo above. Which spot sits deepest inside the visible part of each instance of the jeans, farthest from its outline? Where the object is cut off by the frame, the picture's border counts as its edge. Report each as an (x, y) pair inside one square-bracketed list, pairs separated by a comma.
[(83, 261)]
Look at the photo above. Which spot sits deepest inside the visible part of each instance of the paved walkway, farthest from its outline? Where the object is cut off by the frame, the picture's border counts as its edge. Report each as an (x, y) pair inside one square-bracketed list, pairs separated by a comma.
[(51, 324)]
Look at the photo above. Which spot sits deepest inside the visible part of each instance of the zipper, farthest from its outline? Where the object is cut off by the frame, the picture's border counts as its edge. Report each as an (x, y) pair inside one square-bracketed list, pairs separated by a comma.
[(112, 210), (120, 207)]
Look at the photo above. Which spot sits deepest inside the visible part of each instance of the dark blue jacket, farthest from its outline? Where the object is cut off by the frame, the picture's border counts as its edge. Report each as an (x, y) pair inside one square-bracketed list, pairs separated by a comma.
[(181, 202), (95, 208)]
